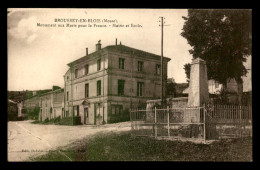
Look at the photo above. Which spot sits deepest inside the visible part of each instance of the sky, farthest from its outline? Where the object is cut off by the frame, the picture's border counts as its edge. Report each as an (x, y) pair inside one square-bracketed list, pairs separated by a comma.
[(38, 56)]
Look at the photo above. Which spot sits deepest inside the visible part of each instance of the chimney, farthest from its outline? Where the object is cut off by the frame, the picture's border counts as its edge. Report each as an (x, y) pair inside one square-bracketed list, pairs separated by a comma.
[(86, 51), (116, 41), (98, 45), (120, 43)]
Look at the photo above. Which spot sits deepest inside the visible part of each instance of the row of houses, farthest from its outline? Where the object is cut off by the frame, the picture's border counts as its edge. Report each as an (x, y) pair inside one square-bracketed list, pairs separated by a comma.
[(102, 85)]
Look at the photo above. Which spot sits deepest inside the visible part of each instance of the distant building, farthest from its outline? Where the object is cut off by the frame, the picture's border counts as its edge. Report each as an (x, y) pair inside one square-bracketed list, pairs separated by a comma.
[(48, 103), (215, 87), (103, 85), (233, 90)]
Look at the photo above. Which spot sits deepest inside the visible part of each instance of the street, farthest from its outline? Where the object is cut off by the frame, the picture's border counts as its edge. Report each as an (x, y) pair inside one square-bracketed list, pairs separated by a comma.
[(29, 140)]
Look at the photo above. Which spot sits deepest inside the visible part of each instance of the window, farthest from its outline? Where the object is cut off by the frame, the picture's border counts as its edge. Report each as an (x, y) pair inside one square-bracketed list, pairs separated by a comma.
[(116, 109), (86, 69), (86, 111), (98, 87), (68, 78), (158, 69), (76, 73), (77, 110), (86, 90), (140, 88), (140, 66), (67, 96), (98, 64), (51, 110), (121, 85), (121, 63), (216, 84)]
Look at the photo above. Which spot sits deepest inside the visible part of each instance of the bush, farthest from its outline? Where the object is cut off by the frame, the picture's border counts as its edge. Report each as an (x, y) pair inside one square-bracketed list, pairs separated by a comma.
[(57, 119), (46, 120)]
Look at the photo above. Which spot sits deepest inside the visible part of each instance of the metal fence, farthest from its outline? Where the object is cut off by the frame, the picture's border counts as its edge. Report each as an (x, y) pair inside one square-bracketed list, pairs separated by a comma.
[(228, 121), (200, 123)]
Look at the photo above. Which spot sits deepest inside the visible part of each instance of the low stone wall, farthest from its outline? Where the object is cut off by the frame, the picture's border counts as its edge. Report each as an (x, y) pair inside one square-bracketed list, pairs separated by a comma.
[(190, 115), (179, 102)]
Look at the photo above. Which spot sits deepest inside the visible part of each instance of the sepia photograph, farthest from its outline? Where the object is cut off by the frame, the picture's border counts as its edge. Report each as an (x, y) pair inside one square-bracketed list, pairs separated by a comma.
[(125, 84)]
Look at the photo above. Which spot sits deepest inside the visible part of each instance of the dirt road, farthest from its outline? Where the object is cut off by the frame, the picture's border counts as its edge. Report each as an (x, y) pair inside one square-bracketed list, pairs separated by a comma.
[(26, 139)]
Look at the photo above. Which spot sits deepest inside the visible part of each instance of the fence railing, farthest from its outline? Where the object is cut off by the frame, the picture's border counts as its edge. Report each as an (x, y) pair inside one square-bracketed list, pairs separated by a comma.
[(190, 122), (169, 122)]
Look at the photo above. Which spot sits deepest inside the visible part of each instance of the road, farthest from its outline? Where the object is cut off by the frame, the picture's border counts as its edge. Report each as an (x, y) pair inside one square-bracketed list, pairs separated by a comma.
[(29, 140)]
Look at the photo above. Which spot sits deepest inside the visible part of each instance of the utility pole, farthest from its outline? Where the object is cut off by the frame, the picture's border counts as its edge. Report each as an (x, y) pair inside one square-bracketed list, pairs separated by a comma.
[(162, 60), (162, 87)]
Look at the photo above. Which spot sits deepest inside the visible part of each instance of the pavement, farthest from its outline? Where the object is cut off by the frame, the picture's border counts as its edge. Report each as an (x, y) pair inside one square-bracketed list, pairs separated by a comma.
[(27, 140)]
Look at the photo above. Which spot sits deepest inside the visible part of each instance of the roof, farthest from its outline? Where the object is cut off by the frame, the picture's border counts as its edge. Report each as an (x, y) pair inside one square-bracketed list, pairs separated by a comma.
[(46, 93), (124, 49)]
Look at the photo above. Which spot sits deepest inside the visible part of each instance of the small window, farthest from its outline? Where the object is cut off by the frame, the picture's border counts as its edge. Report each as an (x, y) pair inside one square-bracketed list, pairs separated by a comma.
[(158, 69), (98, 64), (86, 69), (98, 87), (121, 85), (121, 63), (140, 66), (67, 96), (76, 73)]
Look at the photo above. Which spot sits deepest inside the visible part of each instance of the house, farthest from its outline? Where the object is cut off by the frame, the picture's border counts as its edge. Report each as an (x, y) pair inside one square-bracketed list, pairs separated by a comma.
[(233, 90), (43, 103), (103, 85), (51, 104), (12, 110)]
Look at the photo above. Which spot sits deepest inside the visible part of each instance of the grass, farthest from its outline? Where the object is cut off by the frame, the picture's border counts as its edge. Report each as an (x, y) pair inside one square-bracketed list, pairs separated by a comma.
[(125, 147)]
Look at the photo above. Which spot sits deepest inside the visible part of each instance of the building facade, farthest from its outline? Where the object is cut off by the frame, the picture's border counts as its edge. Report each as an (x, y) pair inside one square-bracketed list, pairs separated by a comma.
[(51, 104), (110, 81)]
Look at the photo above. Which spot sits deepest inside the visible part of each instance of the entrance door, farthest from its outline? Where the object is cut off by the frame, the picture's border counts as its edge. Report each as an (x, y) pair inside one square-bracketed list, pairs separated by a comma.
[(86, 116)]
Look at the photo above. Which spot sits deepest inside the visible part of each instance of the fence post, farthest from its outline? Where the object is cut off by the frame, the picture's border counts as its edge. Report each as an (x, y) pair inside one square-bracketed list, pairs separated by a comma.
[(168, 112), (240, 121), (204, 123), (155, 123), (131, 120)]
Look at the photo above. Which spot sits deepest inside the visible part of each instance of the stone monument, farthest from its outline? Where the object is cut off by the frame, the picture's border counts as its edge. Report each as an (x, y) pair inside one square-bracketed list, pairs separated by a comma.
[(198, 87)]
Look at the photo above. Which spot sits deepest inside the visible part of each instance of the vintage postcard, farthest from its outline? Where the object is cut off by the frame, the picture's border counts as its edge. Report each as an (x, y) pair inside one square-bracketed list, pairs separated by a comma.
[(129, 84)]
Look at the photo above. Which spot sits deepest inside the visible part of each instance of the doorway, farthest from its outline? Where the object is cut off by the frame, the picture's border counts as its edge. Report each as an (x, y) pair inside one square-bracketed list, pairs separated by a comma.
[(86, 116)]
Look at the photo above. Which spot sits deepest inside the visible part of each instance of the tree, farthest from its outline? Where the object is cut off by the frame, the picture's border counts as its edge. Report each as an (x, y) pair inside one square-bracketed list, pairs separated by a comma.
[(171, 87), (223, 38), (187, 71)]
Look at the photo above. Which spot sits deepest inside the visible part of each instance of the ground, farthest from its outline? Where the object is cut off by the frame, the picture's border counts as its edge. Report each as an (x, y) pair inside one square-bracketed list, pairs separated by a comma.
[(122, 146), (29, 140), (113, 142)]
